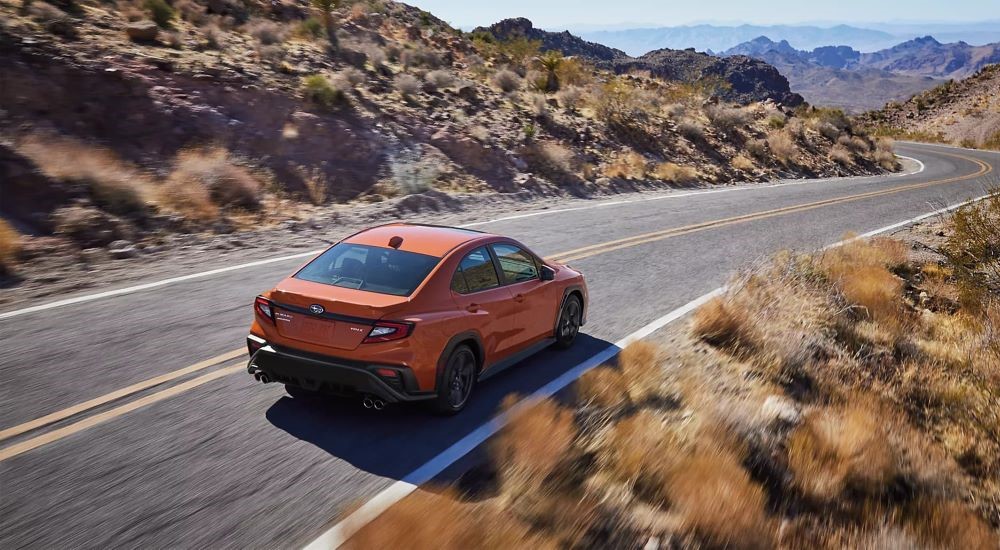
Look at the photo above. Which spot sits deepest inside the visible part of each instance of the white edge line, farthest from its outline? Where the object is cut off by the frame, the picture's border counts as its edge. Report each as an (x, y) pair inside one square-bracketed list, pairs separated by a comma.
[(199, 275), (398, 490)]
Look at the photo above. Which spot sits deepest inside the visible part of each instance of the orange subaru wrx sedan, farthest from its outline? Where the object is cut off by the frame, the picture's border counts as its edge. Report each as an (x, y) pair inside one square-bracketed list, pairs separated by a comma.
[(409, 312)]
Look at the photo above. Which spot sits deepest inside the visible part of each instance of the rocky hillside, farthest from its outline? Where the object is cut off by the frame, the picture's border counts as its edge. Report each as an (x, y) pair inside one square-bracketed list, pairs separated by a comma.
[(964, 112), (742, 79), (840, 76), (131, 122)]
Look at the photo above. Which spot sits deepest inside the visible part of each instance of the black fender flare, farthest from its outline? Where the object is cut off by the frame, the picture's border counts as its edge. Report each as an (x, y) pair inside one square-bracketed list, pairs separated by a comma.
[(562, 303), (478, 348)]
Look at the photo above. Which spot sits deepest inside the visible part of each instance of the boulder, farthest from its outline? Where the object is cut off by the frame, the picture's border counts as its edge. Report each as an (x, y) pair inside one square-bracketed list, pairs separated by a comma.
[(142, 31)]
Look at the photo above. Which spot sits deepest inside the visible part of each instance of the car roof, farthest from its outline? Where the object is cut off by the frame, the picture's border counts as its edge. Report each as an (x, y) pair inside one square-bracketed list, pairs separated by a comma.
[(432, 240)]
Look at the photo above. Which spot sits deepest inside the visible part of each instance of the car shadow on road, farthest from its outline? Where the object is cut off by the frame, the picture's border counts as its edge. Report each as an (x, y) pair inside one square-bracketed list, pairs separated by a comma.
[(397, 440)]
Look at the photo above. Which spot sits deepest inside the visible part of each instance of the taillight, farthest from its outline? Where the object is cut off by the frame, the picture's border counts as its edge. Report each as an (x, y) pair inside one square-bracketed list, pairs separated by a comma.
[(263, 306), (386, 331)]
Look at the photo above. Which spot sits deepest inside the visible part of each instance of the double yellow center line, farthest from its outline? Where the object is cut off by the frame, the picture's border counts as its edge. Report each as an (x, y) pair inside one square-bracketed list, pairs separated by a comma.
[(571, 255)]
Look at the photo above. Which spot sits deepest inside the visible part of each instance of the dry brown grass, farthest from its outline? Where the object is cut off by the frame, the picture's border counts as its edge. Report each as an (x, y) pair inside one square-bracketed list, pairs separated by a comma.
[(630, 165), (10, 247), (535, 439), (429, 520), (841, 155), (782, 145), (112, 184), (723, 323), (205, 179), (835, 448), (668, 171), (715, 499), (743, 163)]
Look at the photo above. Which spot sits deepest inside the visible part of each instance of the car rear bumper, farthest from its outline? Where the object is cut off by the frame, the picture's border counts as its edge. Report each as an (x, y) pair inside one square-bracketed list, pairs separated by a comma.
[(332, 375)]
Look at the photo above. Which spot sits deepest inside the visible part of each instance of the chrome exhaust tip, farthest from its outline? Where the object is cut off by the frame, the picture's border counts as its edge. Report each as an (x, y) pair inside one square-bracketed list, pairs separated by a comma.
[(265, 378), (378, 404), (367, 402)]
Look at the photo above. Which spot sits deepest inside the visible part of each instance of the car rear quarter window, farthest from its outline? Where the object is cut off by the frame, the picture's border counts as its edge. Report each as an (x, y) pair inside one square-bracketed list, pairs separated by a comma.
[(477, 272), (516, 264), (370, 268)]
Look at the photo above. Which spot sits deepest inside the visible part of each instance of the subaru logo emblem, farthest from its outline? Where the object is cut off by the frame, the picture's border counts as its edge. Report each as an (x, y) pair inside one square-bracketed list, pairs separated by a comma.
[(316, 309)]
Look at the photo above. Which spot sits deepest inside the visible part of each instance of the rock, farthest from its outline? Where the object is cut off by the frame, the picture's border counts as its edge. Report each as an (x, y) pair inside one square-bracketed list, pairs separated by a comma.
[(122, 249), (88, 226), (777, 408), (93, 255), (142, 31), (468, 93)]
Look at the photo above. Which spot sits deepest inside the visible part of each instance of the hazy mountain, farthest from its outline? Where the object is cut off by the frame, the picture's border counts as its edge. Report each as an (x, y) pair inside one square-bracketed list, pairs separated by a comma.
[(716, 38), (840, 76), (865, 38)]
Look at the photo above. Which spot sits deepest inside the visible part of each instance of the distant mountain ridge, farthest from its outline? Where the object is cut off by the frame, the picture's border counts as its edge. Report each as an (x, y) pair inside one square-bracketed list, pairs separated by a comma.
[(843, 77), (867, 38)]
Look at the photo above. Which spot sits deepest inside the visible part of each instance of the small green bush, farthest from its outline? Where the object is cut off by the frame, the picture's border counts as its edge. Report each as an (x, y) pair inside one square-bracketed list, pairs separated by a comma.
[(161, 13), (319, 90)]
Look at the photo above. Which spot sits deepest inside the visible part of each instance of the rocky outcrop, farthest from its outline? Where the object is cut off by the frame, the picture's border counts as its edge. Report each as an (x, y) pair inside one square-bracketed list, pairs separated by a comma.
[(564, 42), (748, 79)]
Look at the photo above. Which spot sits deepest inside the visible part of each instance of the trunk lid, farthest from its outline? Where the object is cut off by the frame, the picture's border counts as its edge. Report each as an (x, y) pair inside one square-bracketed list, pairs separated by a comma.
[(347, 317)]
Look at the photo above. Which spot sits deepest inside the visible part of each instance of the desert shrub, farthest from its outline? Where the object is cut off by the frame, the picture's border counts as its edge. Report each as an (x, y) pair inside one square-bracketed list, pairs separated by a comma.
[(691, 129), (349, 78), (10, 247), (507, 80), (829, 131), (420, 56), (311, 28), (272, 54), (406, 84), (757, 148), (267, 32), (539, 106), (837, 448), (412, 173), (675, 111), (717, 501), (859, 145), (725, 323), (550, 62), (573, 71), (113, 185), (551, 159), (885, 155), (214, 36), (211, 174), (160, 12), (318, 90), (776, 121), (55, 20), (991, 142), (619, 102), (376, 56), (630, 165), (439, 79), (727, 119), (536, 81), (782, 146), (841, 155), (972, 248), (535, 440), (743, 163), (668, 171), (569, 98)]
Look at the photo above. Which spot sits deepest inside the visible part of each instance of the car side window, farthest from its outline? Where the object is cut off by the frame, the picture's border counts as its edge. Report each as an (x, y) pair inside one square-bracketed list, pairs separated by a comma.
[(516, 264), (478, 272)]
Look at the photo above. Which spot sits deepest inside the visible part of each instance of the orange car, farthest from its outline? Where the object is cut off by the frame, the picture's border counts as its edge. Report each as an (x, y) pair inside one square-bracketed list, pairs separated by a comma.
[(407, 312)]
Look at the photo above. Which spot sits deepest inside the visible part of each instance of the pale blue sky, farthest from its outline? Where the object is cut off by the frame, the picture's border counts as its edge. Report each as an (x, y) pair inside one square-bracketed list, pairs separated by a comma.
[(557, 14)]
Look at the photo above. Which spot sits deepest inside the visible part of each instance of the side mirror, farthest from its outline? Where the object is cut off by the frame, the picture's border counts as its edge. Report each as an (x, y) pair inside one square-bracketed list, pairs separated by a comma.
[(548, 273)]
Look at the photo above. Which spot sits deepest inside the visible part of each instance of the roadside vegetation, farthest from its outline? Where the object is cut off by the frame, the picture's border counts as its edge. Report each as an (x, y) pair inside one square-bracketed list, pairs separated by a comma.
[(845, 398)]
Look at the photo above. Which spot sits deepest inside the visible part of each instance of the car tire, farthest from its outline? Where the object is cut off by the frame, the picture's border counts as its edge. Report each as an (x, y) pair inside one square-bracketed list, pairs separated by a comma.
[(568, 326), (298, 392), (458, 378)]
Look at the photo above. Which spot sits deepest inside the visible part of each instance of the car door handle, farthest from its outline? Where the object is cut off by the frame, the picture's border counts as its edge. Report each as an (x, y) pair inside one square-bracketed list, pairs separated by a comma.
[(472, 307), (519, 297)]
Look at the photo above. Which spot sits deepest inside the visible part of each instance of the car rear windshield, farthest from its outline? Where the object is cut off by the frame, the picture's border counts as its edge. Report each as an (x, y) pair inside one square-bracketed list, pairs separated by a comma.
[(382, 270)]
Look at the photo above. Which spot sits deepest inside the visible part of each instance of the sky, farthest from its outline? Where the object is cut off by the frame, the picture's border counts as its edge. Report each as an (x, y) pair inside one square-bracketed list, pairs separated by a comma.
[(575, 14)]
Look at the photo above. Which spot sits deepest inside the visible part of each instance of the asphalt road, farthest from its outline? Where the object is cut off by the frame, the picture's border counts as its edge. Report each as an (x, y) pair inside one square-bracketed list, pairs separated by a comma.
[(227, 462)]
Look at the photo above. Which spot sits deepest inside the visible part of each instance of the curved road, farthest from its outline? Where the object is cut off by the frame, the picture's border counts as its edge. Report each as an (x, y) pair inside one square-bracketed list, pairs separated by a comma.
[(129, 421)]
